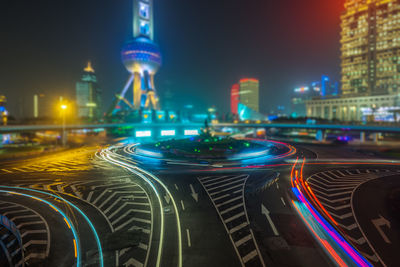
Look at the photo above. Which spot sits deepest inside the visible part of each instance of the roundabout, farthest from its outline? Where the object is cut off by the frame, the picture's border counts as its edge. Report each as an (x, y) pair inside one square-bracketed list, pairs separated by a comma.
[(210, 150)]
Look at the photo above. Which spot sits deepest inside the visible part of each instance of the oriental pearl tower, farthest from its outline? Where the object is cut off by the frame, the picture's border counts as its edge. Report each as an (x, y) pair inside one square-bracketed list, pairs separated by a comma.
[(142, 58)]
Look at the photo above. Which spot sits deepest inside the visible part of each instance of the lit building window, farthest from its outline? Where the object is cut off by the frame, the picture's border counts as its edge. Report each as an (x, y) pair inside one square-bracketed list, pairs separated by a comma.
[(144, 10), (144, 27)]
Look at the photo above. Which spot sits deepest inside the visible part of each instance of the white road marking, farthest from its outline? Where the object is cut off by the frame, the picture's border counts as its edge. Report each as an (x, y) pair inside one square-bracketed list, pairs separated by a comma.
[(226, 184), (76, 192), (224, 181), (266, 212), (193, 193), (43, 231), (35, 255), (228, 201), (250, 256), (131, 220), (235, 217), (167, 198), (143, 246), (237, 228), (232, 208), (183, 206), (188, 238), (90, 196), (176, 187), (100, 196), (381, 221), (35, 242), (243, 240), (133, 262), (226, 189), (283, 201)]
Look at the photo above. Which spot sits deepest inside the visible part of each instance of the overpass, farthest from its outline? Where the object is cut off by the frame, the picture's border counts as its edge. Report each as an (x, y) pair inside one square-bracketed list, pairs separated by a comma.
[(187, 129)]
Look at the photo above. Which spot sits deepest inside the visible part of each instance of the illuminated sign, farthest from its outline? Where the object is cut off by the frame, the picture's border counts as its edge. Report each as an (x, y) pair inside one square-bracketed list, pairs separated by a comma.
[(168, 133), (143, 133), (302, 89), (191, 132)]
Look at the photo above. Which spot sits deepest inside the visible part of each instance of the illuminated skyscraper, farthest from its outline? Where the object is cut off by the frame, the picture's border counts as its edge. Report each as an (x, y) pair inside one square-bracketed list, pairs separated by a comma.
[(142, 58), (370, 41), (235, 99), (3, 111), (249, 93), (88, 95)]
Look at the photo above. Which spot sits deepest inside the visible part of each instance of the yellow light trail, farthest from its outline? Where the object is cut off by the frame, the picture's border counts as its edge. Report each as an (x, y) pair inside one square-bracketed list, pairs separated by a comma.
[(75, 250)]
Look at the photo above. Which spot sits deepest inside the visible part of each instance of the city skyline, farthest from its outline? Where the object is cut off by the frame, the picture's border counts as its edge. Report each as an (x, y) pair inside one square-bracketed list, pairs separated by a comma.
[(207, 77), (198, 133)]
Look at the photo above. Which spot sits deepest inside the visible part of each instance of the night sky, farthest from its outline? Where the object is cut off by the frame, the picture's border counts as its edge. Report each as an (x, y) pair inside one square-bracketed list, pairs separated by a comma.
[(207, 46)]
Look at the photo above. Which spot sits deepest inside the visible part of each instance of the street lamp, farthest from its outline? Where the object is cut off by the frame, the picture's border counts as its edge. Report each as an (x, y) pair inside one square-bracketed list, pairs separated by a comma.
[(64, 134)]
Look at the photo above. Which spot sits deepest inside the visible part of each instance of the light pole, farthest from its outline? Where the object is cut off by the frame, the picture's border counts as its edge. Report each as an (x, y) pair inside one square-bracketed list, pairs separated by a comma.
[(64, 134)]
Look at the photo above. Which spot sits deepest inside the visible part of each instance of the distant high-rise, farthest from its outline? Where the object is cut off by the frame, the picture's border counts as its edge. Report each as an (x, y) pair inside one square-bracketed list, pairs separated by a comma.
[(88, 95), (235, 98), (324, 88), (249, 93), (3, 111), (370, 40)]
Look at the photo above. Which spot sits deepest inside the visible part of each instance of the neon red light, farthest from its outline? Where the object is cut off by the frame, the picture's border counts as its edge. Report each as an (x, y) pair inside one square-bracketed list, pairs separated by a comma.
[(235, 98), (245, 80)]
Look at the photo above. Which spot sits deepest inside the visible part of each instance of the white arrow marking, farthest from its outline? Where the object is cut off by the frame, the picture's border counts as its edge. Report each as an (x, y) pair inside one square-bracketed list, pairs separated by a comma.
[(266, 212), (194, 194), (167, 198), (132, 262), (381, 221)]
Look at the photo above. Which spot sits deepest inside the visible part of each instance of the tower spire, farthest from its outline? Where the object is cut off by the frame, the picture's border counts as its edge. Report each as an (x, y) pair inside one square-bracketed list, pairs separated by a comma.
[(143, 19), (89, 67)]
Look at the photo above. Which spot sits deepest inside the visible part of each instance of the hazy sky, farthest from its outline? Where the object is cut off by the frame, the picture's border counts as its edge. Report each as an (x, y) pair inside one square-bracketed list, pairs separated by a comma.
[(207, 46)]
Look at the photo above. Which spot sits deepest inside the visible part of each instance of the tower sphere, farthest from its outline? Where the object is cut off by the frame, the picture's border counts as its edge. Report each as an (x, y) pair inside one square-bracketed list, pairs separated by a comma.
[(141, 54)]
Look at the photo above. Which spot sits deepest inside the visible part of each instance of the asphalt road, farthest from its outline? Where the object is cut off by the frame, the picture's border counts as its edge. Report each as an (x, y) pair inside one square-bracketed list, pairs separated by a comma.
[(151, 214), (378, 216)]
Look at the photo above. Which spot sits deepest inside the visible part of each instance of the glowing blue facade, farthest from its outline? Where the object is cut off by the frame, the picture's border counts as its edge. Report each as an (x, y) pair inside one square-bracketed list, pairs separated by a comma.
[(246, 113)]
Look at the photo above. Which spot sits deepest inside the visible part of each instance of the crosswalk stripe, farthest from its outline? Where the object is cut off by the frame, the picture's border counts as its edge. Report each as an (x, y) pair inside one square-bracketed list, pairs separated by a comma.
[(250, 256), (237, 228), (223, 181), (226, 189), (223, 185), (243, 240), (231, 208), (235, 217), (228, 201)]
